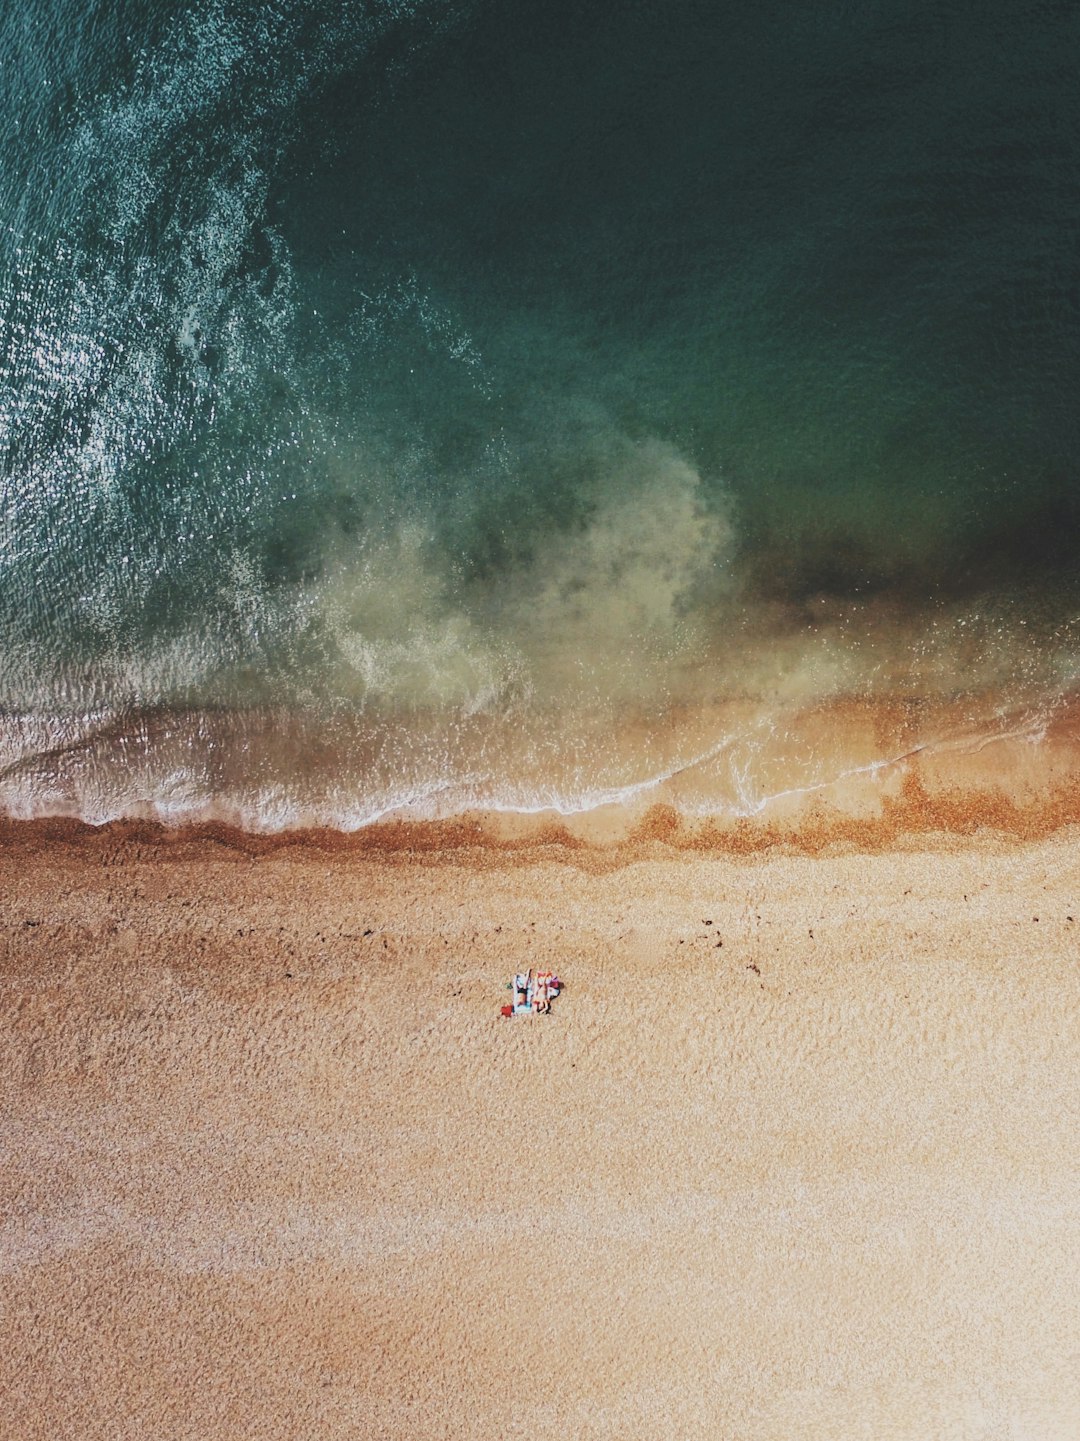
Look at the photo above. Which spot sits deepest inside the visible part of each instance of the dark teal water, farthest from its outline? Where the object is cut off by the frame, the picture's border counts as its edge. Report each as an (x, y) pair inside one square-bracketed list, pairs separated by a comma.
[(434, 402)]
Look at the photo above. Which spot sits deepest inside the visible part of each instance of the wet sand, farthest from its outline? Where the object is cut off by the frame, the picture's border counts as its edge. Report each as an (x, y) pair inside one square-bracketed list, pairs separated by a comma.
[(898, 763), (796, 1156)]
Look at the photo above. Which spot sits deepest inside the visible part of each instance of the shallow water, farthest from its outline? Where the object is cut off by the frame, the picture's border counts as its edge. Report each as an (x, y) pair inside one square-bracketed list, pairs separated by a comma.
[(452, 404)]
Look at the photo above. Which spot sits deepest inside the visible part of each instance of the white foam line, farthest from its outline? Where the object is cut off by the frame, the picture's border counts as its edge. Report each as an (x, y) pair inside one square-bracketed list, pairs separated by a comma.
[(871, 768), (973, 745), (398, 806), (1032, 734), (616, 795)]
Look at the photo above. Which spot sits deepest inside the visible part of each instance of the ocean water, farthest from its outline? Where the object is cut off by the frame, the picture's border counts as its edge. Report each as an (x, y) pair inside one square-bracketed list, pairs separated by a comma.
[(449, 403)]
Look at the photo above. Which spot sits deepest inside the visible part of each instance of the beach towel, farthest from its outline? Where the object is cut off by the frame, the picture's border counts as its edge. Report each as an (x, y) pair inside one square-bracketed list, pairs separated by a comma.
[(525, 1007)]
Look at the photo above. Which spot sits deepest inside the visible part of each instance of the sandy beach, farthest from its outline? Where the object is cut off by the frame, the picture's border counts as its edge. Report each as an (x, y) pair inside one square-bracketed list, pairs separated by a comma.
[(795, 1156)]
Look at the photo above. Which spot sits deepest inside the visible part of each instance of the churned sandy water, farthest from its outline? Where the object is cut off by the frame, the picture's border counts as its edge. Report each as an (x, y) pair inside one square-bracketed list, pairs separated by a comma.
[(794, 1157)]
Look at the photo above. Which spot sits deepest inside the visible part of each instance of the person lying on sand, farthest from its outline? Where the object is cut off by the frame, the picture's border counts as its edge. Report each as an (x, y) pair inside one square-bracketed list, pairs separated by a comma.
[(542, 992), (521, 990)]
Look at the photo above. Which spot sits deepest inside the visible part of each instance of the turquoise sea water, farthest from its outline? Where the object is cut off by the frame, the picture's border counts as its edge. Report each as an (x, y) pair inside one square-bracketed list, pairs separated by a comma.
[(449, 403)]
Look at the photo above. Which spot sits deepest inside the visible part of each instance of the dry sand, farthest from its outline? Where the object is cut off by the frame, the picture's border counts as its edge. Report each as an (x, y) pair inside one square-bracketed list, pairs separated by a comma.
[(272, 1165)]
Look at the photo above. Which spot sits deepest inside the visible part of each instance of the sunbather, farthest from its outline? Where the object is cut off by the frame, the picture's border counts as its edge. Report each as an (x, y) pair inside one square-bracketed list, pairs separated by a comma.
[(542, 992), (521, 990)]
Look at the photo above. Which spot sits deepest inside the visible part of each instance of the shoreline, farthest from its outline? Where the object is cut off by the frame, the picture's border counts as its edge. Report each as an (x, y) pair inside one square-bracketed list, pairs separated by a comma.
[(912, 817), (733, 775)]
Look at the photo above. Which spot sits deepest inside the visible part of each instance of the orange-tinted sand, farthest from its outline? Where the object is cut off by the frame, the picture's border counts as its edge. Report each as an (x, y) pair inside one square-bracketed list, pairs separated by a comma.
[(796, 1156)]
